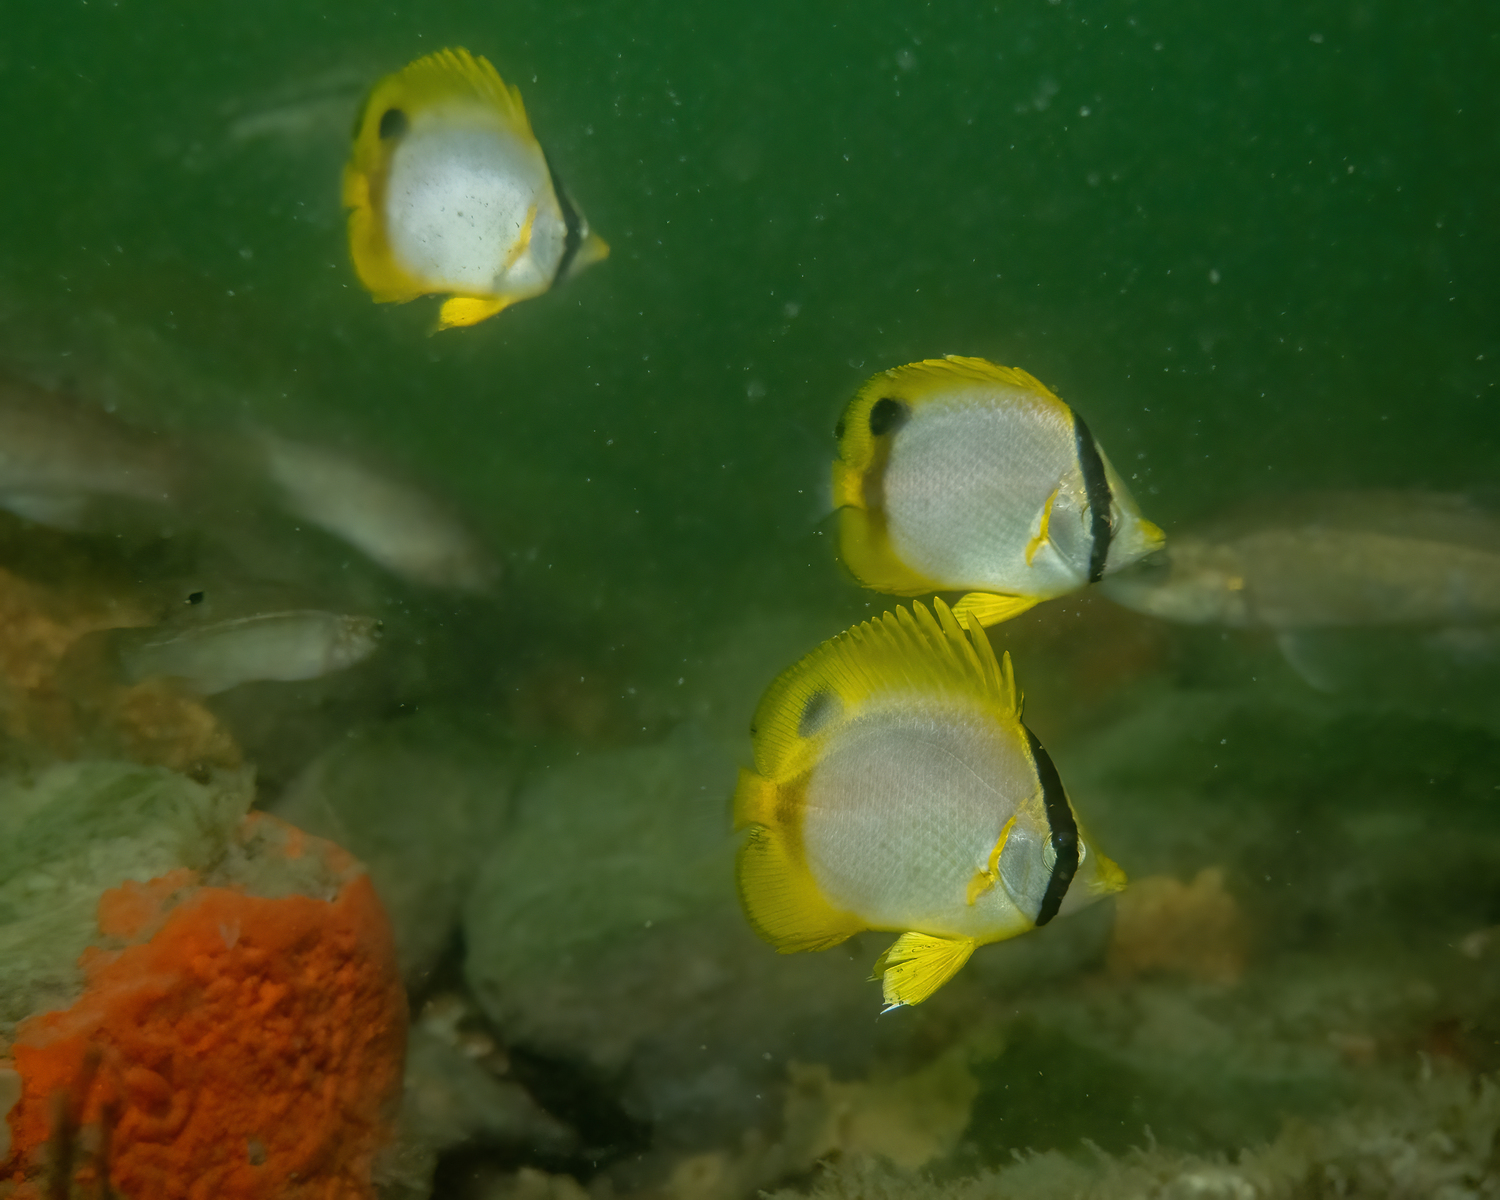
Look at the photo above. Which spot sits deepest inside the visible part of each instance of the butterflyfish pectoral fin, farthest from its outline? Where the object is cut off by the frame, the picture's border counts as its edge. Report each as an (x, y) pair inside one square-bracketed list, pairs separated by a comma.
[(990, 609), (987, 878), (917, 964), (523, 240), (1042, 537), (469, 310)]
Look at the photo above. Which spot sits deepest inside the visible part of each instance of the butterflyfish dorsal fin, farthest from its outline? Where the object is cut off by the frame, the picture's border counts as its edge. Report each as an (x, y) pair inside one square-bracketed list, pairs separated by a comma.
[(916, 382), (909, 650), (989, 608), (455, 74), (917, 964)]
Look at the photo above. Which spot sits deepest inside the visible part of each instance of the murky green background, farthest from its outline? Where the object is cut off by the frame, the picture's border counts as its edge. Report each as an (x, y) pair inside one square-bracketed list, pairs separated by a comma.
[(1256, 246)]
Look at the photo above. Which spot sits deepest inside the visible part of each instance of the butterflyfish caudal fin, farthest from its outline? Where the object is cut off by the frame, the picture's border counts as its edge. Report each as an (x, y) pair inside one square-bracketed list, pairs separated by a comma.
[(780, 898), (990, 609), (917, 964)]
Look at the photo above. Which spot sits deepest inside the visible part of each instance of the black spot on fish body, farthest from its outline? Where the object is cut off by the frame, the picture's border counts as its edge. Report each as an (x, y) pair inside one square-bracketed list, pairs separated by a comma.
[(195, 598), (1063, 827), (393, 123), (1101, 501), (838, 430), (887, 415), (820, 709)]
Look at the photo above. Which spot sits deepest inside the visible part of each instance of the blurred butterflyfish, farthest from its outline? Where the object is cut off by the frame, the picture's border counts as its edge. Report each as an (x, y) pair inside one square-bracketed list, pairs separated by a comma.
[(896, 788), (955, 474), (452, 194)]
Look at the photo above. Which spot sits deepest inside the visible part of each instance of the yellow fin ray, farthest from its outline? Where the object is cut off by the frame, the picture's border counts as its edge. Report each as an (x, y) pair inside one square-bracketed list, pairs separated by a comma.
[(906, 650), (469, 310), (917, 964), (1043, 526), (990, 876), (780, 898), (455, 74), (917, 379), (989, 608)]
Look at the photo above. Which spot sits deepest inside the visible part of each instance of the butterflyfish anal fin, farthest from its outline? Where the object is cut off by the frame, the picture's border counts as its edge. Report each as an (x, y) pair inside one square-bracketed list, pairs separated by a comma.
[(780, 898), (455, 74), (917, 964), (469, 310), (905, 651), (990, 609)]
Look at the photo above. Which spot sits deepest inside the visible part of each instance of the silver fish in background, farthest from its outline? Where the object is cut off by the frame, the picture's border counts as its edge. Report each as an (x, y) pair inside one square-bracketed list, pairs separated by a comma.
[(214, 656), (1328, 561), (389, 521), (58, 455)]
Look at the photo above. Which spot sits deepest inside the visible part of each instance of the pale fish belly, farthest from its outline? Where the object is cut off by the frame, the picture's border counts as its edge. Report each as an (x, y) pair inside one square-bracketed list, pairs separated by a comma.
[(456, 204), (903, 810), (965, 489)]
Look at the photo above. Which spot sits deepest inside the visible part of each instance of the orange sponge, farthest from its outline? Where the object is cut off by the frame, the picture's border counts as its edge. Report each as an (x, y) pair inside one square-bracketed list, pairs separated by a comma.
[(227, 1045)]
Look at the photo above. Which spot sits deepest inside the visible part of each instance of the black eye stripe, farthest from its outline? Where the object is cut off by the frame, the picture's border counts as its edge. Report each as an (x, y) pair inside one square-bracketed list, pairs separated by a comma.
[(886, 415), (1096, 488), (393, 123), (1064, 829), (572, 224)]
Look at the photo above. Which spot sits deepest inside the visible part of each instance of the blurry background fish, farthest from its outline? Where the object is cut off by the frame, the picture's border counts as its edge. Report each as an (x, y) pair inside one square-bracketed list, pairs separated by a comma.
[(1409, 569)]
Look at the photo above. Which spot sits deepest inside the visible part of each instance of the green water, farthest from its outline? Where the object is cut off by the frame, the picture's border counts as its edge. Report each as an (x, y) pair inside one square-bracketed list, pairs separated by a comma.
[(1256, 246)]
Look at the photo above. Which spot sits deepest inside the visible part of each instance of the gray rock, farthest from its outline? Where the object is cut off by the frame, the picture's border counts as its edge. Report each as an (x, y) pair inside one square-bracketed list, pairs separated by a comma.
[(419, 802)]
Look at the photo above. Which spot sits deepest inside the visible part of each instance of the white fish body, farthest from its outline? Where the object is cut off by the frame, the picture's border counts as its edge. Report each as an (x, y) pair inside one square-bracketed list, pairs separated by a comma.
[(1332, 560), (391, 522), (216, 656), (56, 454)]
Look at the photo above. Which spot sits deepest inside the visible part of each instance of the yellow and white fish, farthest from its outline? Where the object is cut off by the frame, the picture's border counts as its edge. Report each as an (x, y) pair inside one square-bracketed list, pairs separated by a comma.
[(955, 474), (895, 788), (451, 193)]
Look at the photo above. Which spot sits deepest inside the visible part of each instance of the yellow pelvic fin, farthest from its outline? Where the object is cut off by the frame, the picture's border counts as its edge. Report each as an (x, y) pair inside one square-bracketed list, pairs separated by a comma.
[(1043, 526), (903, 651), (990, 609), (917, 964), (469, 310), (781, 899), (987, 878)]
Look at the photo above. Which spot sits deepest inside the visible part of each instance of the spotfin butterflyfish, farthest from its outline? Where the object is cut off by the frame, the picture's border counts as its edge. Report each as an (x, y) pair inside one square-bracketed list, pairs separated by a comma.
[(955, 474), (896, 788), (451, 193)]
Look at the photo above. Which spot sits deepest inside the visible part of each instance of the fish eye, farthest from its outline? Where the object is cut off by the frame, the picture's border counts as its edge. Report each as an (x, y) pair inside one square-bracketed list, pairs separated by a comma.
[(838, 430), (393, 123), (887, 415)]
